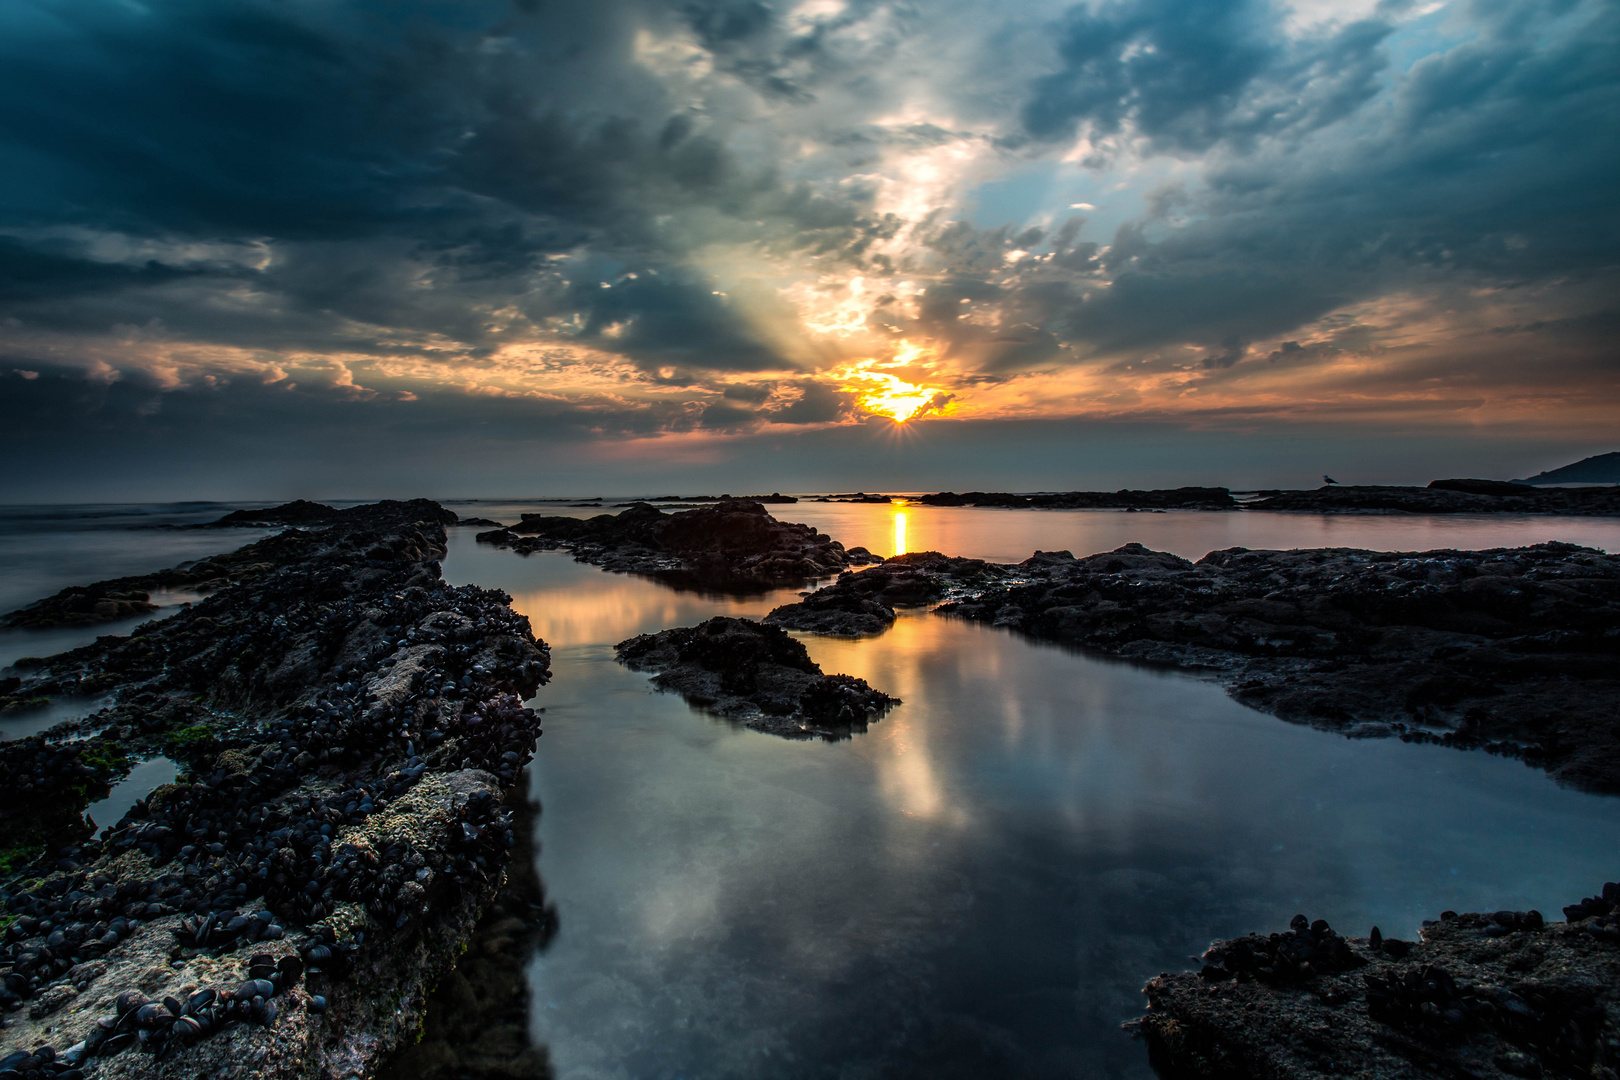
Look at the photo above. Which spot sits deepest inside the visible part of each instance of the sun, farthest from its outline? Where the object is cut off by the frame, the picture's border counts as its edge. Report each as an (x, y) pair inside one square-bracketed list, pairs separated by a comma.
[(885, 394)]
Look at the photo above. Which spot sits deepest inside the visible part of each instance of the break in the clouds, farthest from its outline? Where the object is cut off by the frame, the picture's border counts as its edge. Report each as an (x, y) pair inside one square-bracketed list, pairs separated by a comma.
[(633, 220)]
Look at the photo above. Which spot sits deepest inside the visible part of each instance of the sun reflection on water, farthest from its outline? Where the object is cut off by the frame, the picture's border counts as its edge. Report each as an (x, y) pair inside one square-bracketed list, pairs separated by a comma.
[(899, 533)]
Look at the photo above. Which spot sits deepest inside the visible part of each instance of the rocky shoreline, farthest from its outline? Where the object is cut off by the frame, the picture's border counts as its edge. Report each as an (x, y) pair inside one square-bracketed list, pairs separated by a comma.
[(1446, 497), (1489, 996), (349, 731), (1516, 651), (1451, 496), (757, 675), (1462, 496), (731, 545)]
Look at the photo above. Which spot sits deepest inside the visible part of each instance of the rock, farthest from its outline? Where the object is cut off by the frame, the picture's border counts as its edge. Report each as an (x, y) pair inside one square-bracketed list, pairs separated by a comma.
[(1513, 650), (304, 513), (1186, 498), (1482, 487), (861, 604), (731, 544), (756, 674), (1445, 497), (1473, 998), (348, 729)]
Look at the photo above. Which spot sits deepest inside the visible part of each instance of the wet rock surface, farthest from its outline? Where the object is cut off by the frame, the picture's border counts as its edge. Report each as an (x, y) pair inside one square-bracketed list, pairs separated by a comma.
[(862, 603), (1512, 650), (1488, 996), (349, 728), (1446, 497), (755, 674), (733, 544)]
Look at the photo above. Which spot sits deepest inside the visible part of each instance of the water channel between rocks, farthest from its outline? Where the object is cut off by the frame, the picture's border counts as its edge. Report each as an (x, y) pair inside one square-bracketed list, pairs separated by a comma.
[(980, 884)]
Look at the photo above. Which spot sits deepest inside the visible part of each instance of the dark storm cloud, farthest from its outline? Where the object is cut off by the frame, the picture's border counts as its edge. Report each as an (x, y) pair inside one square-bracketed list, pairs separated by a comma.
[(817, 403), (30, 274), (1190, 73), (1482, 169), (412, 166)]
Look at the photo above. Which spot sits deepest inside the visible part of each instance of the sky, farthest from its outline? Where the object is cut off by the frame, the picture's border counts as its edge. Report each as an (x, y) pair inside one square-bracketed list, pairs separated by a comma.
[(478, 248)]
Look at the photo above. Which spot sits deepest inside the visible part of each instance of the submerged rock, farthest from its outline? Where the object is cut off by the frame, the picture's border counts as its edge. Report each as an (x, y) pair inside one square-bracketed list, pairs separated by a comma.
[(734, 543), (756, 674), (349, 727), (1513, 650), (1497, 995)]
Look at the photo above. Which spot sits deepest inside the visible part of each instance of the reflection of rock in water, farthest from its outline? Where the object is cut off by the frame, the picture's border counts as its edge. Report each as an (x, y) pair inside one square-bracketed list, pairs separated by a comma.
[(477, 1023)]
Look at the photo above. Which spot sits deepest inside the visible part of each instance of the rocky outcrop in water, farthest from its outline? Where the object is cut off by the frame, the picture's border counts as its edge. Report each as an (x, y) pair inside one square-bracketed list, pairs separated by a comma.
[(1445, 497), (305, 514), (1483, 996), (349, 728), (1513, 650), (755, 674), (732, 544), (126, 597), (1186, 498), (862, 603)]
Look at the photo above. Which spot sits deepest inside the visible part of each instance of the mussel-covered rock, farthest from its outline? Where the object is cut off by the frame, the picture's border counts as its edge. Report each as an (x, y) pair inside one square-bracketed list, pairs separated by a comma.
[(757, 674), (346, 726)]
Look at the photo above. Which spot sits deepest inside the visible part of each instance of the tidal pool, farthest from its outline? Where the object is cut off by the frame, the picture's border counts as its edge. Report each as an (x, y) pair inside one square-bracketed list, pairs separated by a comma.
[(980, 884)]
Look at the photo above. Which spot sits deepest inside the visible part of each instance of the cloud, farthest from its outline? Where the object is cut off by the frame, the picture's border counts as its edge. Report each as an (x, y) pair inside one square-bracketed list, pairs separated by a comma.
[(634, 218), (1188, 74)]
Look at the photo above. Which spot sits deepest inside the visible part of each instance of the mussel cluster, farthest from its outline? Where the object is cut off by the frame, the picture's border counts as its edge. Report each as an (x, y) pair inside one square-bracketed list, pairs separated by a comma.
[(37, 952), (1560, 1025), (1602, 904), (327, 955), (38, 1064), (160, 1026), (1306, 950), (31, 768), (482, 838), (490, 733), (224, 928)]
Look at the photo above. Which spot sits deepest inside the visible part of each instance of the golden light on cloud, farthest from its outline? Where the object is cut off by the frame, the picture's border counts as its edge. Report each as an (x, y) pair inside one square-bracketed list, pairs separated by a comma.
[(884, 393)]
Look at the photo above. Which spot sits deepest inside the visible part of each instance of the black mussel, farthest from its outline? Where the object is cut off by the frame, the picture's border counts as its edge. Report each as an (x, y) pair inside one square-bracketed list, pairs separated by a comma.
[(317, 1003), (255, 988), (188, 1027), (129, 999), (289, 969), (264, 1012), (116, 1044), (152, 1014)]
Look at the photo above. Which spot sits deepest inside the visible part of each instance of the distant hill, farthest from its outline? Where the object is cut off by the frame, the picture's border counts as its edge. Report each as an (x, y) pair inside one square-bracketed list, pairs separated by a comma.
[(1601, 469)]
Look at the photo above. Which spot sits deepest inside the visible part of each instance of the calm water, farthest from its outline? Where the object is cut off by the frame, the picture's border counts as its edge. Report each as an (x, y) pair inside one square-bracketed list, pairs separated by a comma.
[(980, 884)]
